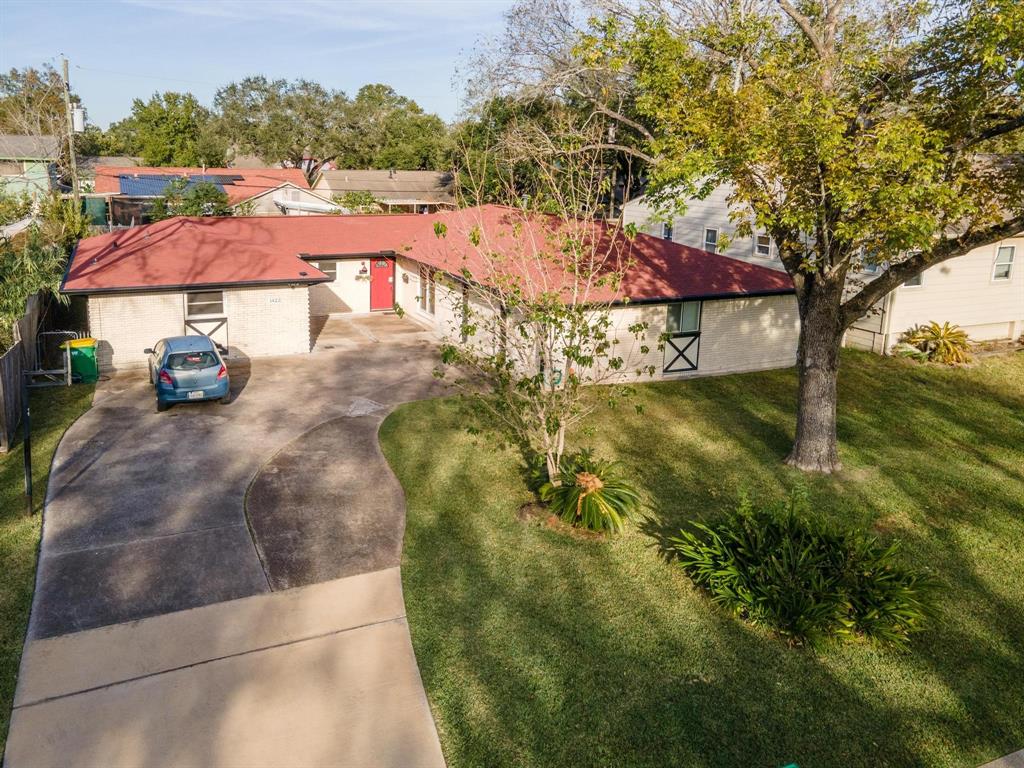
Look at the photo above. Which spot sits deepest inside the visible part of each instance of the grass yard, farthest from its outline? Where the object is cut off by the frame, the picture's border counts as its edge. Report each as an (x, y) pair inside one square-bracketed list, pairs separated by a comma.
[(544, 649), (53, 411)]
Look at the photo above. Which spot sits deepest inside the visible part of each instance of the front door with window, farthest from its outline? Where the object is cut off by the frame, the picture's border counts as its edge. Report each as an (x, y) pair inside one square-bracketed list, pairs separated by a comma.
[(382, 283), (682, 347), (205, 314)]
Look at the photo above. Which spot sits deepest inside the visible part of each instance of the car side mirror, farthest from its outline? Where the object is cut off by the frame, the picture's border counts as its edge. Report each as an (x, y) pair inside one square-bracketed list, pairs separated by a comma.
[(147, 351)]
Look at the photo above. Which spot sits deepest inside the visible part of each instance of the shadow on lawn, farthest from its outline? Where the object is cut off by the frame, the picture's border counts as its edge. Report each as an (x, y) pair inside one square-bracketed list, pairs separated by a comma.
[(537, 649)]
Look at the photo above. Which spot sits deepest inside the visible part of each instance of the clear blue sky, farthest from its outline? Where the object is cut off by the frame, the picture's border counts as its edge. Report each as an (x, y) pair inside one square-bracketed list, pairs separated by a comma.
[(123, 50)]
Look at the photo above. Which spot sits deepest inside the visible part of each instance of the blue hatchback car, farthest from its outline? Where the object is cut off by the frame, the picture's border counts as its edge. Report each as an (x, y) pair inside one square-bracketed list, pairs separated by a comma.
[(187, 368)]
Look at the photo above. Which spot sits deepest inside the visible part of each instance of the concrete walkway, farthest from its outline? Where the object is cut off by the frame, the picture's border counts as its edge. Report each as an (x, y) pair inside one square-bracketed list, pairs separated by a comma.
[(323, 675), (1016, 760), (140, 651)]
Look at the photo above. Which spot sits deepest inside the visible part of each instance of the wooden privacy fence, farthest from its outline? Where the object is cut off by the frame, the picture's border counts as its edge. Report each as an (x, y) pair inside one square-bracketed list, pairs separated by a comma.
[(20, 357)]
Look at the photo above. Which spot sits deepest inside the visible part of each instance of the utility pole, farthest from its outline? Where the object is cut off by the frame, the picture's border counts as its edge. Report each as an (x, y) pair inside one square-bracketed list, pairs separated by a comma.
[(71, 136)]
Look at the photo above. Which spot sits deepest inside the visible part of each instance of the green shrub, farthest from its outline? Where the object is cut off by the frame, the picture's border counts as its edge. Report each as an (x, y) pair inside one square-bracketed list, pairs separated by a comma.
[(944, 343), (590, 494), (14, 206), (774, 568)]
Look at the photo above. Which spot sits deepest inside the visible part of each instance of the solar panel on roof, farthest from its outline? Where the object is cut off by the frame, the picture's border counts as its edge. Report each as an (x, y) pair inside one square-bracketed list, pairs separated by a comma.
[(154, 185)]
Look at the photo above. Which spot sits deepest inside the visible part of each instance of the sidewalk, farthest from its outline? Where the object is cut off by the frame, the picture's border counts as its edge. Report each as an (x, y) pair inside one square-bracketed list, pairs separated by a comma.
[(319, 675)]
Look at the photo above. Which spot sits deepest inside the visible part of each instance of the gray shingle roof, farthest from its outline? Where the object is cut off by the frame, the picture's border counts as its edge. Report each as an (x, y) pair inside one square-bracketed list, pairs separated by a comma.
[(392, 186), (15, 146)]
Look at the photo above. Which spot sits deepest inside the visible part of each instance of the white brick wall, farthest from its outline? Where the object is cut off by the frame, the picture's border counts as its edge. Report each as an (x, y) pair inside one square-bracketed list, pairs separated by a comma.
[(268, 321), (736, 335), (350, 291), (126, 324), (261, 321)]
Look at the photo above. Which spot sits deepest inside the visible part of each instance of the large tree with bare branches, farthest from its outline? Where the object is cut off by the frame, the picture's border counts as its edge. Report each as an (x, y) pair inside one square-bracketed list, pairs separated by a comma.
[(884, 133)]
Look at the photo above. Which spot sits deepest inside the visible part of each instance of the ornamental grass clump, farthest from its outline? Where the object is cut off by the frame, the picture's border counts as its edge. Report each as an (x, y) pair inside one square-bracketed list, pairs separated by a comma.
[(589, 494), (775, 568)]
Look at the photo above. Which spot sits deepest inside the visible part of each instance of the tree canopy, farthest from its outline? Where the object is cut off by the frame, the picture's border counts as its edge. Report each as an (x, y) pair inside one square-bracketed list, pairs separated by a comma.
[(306, 125), (853, 133), (169, 129), (280, 121)]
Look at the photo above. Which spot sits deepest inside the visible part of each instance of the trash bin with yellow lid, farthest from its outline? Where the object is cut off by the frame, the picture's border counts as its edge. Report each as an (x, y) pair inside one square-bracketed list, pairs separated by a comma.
[(83, 359)]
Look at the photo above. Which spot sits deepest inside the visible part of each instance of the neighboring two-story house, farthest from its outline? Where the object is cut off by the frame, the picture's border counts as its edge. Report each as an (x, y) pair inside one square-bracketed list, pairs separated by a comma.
[(981, 291)]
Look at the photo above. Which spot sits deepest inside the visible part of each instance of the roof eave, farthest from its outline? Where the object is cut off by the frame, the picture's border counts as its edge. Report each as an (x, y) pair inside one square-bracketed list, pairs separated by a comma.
[(709, 296), (191, 286)]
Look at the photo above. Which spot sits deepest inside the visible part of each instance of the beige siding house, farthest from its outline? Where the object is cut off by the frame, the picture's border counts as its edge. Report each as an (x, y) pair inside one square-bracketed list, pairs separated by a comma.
[(705, 225), (982, 291), (287, 200), (395, 191)]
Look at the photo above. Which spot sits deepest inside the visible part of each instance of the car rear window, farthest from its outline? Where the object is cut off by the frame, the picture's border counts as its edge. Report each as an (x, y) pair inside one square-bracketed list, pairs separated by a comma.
[(190, 361)]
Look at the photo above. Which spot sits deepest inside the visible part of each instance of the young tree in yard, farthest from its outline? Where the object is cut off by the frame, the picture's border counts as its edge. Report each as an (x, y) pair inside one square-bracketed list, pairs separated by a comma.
[(181, 199), (534, 299), (854, 133)]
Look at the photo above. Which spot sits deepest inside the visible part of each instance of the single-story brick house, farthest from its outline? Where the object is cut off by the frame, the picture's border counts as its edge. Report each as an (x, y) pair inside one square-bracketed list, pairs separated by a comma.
[(253, 283)]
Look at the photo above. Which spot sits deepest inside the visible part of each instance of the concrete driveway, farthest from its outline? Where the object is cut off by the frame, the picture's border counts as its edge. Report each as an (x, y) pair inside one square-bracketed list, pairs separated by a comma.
[(159, 631)]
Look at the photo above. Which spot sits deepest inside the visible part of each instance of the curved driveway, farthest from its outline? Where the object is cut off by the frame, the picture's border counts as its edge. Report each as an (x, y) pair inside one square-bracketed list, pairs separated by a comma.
[(163, 634), (145, 511)]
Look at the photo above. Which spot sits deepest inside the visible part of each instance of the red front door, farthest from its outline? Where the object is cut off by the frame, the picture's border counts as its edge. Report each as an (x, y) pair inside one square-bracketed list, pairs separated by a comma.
[(382, 283)]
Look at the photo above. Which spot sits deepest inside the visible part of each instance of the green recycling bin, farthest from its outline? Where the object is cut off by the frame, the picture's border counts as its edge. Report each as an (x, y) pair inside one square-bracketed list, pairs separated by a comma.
[(83, 359)]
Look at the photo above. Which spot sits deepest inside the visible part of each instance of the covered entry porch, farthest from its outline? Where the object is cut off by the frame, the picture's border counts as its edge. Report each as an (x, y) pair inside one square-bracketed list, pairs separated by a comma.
[(330, 332)]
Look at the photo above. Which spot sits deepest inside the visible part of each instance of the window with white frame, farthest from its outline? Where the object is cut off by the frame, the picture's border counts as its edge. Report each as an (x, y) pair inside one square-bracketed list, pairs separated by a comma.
[(763, 246), (666, 231), (329, 268), (914, 282), (204, 304), (711, 240), (1004, 262)]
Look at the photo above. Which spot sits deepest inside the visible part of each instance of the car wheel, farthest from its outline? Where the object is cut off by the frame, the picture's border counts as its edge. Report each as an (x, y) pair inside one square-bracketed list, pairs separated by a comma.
[(161, 406)]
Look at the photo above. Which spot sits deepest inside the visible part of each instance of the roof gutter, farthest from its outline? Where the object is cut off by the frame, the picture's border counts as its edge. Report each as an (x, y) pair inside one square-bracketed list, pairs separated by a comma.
[(192, 286), (709, 297)]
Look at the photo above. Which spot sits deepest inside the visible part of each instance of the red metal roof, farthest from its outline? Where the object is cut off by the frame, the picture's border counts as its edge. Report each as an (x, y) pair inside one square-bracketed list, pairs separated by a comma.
[(245, 250), (253, 180)]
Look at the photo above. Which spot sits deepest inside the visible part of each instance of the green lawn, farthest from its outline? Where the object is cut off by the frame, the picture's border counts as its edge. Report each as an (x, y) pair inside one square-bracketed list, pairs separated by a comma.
[(53, 411), (538, 648)]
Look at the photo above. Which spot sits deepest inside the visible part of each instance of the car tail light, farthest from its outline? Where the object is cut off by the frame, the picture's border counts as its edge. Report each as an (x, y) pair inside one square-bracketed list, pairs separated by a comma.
[(165, 377), (222, 372)]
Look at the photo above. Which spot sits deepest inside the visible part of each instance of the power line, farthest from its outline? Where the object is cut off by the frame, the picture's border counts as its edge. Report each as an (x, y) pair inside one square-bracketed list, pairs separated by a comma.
[(145, 77)]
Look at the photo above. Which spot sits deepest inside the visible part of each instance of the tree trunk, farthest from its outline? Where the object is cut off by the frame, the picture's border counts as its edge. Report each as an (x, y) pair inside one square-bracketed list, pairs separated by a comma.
[(815, 448)]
